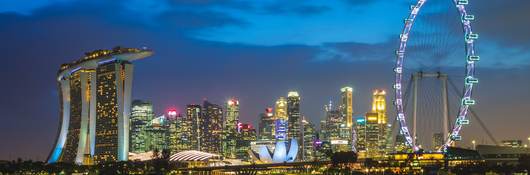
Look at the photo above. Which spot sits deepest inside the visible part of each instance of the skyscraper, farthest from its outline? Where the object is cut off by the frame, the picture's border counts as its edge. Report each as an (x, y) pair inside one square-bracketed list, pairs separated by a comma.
[(346, 108), (280, 114), (246, 135), (309, 136), (347, 105), (181, 135), (158, 134), (141, 115), (360, 129), (194, 115), (336, 131), (211, 124), (293, 116), (266, 125), (376, 126), (95, 94), (294, 121), (230, 122)]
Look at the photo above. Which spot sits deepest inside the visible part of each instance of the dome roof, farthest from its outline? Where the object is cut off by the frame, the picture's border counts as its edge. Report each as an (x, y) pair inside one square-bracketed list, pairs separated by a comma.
[(193, 156)]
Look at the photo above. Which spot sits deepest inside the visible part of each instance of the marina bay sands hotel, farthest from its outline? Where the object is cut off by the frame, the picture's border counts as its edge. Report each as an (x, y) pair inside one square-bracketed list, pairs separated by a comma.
[(95, 102)]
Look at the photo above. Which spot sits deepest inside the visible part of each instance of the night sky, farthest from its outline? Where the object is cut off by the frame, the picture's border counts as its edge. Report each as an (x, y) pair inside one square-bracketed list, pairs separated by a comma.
[(255, 51)]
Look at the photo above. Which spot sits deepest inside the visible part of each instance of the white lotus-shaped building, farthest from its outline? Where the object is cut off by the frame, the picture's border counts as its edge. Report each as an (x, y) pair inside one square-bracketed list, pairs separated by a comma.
[(283, 151)]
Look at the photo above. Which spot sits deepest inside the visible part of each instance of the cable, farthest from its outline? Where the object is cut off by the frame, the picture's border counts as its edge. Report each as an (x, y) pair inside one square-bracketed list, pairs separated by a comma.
[(474, 114)]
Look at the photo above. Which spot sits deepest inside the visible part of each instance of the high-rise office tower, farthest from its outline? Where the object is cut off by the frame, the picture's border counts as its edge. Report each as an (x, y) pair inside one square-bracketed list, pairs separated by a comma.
[(158, 134), (280, 114), (266, 126), (141, 115), (372, 135), (194, 115), (95, 95), (246, 135), (346, 105), (280, 109), (360, 129), (211, 124), (376, 126), (179, 132), (294, 121), (293, 116), (346, 108), (230, 122), (337, 133), (309, 136)]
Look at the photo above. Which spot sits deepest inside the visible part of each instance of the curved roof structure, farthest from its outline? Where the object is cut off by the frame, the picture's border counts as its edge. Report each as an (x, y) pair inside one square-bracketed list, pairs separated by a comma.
[(193, 156), (92, 59)]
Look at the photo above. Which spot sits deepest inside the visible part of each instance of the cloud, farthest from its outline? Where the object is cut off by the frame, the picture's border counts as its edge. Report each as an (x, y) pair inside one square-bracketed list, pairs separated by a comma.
[(503, 21), (26, 7), (355, 52), (301, 10)]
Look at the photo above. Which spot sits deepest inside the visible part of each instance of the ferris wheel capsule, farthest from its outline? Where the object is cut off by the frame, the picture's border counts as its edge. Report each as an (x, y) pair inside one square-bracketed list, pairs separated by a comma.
[(471, 80), (468, 17), (473, 58), (463, 121), (468, 101), (462, 2), (456, 137), (472, 36)]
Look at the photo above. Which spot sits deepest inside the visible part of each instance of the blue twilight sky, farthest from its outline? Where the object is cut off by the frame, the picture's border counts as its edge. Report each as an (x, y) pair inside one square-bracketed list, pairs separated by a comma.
[(256, 51)]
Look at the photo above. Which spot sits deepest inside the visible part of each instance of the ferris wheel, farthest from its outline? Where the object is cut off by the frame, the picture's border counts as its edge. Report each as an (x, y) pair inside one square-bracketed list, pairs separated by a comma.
[(469, 80)]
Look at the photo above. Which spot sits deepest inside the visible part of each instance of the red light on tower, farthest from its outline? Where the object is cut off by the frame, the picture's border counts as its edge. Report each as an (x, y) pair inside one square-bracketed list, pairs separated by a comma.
[(268, 112), (172, 113)]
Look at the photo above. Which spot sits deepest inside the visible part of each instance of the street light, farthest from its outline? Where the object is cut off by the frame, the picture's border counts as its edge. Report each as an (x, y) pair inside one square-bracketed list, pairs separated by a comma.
[(474, 146), (528, 140)]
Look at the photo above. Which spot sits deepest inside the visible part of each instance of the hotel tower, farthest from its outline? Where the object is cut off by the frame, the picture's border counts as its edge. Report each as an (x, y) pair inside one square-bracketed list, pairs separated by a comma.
[(95, 102)]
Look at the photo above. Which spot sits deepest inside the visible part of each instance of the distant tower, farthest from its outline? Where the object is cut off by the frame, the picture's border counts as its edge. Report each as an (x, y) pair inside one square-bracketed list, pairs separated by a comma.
[(95, 94), (293, 113), (211, 124), (158, 134), (309, 136), (181, 135), (280, 109), (376, 126), (266, 125), (347, 105), (141, 115), (294, 121), (280, 114), (229, 137), (193, 114), (337, 133), (360, 129), (246, 135)]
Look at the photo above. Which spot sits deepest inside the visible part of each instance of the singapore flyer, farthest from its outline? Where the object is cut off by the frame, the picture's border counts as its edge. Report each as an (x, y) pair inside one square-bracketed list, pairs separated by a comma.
[(469, 79)]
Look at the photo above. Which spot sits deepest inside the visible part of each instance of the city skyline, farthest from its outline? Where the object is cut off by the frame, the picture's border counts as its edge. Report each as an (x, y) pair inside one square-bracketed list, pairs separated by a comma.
[(255, 71)]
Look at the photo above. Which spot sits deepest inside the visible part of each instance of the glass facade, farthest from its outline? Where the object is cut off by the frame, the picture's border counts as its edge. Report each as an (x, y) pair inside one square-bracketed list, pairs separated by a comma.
[(246, 135), (266, 125), (141, 115), (193, 114), (230, 129), (211, 125)]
